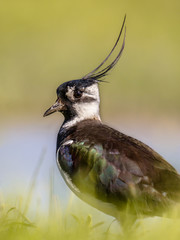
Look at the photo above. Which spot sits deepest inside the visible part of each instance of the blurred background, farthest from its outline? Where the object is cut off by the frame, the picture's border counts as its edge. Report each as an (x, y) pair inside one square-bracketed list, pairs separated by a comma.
[(45, 43)]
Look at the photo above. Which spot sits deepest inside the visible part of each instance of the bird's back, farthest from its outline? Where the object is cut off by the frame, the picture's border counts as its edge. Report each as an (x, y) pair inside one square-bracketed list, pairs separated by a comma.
[(116, 169)]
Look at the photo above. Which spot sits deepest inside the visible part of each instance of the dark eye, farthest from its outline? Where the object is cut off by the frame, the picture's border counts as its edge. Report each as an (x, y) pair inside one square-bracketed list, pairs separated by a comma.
[(78, 93)]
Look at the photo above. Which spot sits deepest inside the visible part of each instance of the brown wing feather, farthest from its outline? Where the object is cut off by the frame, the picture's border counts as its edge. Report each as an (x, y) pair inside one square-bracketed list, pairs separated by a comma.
[(141, 171), (131, 152)]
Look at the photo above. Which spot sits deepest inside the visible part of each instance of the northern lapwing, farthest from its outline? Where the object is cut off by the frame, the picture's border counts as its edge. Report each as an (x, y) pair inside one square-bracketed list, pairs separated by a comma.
[(106, 168)]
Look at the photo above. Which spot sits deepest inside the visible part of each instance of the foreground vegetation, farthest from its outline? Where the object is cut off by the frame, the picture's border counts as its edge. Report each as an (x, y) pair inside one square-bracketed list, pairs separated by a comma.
[(58, 224)]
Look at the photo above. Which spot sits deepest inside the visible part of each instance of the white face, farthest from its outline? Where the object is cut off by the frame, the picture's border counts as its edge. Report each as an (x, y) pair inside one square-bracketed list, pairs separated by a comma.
[(84, 102), (91, 92)]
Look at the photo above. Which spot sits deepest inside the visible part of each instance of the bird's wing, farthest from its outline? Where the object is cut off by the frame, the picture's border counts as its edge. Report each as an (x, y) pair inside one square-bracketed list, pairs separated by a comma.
[(116, 168)]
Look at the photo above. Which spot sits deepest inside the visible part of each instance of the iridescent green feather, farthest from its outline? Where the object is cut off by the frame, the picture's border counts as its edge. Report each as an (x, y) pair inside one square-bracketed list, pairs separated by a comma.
[(92, 167)]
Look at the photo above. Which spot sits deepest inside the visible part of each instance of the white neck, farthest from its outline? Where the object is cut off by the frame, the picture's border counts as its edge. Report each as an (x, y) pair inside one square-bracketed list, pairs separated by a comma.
[(89, 110)]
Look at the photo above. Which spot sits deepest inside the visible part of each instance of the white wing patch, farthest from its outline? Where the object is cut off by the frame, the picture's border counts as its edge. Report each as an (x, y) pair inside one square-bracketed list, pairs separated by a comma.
[(67, 143)]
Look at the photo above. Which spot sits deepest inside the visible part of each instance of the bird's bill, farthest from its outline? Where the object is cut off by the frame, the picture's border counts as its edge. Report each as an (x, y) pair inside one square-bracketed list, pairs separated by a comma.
[(57, 106)]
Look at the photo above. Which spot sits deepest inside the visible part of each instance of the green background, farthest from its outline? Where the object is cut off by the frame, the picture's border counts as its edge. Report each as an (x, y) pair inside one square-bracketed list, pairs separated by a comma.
[(44, 43)]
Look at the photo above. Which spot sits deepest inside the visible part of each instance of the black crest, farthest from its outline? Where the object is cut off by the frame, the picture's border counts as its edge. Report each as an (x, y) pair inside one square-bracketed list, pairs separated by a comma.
[(96, 75)]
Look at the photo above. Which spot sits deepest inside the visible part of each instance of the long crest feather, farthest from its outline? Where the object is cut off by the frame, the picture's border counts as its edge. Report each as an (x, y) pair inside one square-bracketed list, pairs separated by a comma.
[(97, 75)]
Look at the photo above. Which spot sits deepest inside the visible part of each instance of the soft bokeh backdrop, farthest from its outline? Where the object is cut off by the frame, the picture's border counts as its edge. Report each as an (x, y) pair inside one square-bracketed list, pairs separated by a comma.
[(44, 43)]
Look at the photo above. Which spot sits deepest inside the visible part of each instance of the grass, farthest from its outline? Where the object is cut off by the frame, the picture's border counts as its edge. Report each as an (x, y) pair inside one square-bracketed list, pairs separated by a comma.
[(70, 224), (19, 220)]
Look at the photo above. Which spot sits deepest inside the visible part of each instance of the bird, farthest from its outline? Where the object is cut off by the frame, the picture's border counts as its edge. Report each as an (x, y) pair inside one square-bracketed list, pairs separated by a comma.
[(107, 169)]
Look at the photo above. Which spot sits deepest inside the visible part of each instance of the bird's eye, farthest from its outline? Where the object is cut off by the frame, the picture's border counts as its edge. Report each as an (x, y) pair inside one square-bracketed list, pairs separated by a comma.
[(78, 93)]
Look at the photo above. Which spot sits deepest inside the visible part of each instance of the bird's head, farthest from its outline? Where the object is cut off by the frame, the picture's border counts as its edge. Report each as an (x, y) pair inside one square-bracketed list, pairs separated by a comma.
[(79, 99)]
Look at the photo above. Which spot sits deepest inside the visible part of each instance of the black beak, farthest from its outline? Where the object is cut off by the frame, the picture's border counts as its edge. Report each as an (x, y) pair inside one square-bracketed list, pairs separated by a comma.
[(57, 106)]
